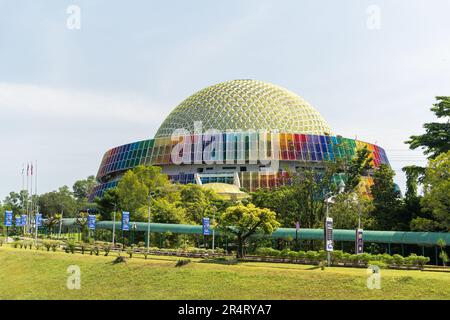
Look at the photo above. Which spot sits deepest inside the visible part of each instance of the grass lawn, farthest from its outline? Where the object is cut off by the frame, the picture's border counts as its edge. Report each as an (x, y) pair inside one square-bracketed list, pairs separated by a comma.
[(31, 274)]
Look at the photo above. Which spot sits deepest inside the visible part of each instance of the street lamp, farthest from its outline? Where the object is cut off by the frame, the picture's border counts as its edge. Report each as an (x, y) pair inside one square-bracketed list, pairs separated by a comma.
[(149, 218), (328, 223), (114, 225)]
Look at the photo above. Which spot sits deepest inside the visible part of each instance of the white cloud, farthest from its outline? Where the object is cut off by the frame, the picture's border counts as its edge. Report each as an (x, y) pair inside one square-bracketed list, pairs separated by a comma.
[(47, 102)]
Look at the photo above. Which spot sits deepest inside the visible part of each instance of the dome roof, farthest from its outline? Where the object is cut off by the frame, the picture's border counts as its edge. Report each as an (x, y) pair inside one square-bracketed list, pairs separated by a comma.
[(225, 190), (244, 105)]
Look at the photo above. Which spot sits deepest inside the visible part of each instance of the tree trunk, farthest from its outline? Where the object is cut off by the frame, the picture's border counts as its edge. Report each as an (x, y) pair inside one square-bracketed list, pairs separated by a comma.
[(240, 248)]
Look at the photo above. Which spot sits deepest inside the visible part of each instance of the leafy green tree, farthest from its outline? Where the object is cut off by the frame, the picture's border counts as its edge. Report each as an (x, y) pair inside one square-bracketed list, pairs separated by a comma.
[(17, 201), (108, 203), (357, 167), (346, 208), (437, 190), (58, 201), (135, 186), (436, 139), (197, 202), (52, 221), (163, 211), (387, 201), (310, 186), (245, 220), (82, 188)]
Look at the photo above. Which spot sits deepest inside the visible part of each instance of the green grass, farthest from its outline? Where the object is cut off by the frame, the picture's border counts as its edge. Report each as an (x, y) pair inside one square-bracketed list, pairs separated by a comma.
[(31, 274)]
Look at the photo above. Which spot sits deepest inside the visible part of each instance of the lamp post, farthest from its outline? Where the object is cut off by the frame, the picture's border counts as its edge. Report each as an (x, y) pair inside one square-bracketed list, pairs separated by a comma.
[(114, 225), (359, 244), (328, 223), (149, 220)]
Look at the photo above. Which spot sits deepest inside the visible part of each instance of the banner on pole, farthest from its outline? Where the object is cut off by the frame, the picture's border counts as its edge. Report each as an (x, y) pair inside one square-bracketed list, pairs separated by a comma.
[(125, 221), (359, 241), (91, 221), (18, 221), (206, 227), (297, 226), (328, 234), (38, 220), (24, 220), (8, 219)]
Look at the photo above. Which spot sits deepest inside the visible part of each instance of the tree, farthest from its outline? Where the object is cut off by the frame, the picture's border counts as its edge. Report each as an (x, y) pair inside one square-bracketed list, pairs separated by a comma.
[(436, 139), (135, 186), (345, 211), (197, 202), (437, 190), (245, 220), (83, 188), (58, 201), (164, 211), (386, 201), (52, 221), (107, 203), (358, 166)]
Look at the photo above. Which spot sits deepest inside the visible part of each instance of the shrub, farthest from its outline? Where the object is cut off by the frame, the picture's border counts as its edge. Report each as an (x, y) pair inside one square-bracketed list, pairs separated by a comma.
[(95, 250), (336, 256), (293, 255), (54, 245), (70, 247), (312, 255), (386, 258), (301, 255), (119, 259), (107, 249), (84, 247), (182, 262), (47, 245), (398, 259), (365, 257), (285, 253), (1, 242), (130, 252), (15, 244), (141, 244)]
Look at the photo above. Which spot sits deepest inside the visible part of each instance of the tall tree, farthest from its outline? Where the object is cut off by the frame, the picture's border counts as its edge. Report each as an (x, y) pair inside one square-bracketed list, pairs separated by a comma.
[(83, 188), (57, 201), (437, 190), (197, 202), (436, 139), (357, 167), (245, 220), (386, 201)]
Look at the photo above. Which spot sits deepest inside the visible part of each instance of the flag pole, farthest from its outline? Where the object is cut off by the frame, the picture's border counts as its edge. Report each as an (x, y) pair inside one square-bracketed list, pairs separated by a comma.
[(36, 186), (28, 197)]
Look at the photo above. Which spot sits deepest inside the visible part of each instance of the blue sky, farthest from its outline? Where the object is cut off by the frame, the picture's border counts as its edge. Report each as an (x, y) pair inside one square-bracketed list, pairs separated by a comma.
[(66, 96)]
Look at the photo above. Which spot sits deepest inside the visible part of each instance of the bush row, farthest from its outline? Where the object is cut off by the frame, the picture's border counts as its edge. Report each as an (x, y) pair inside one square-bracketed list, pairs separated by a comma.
[(338, 256)]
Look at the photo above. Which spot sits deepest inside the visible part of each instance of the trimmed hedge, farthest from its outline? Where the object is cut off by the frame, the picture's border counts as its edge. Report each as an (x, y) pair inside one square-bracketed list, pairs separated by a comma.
[(340, 257)]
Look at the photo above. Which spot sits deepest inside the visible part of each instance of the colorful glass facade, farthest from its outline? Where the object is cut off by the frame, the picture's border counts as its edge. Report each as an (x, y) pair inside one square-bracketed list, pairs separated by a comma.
[(243, 113)]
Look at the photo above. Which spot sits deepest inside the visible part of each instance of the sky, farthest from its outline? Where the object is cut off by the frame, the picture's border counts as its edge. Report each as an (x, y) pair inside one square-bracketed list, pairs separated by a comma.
[(371, 68)]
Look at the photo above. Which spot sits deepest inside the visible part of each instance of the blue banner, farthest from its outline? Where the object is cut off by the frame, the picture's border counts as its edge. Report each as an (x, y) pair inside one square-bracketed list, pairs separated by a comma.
[(91, 222), (328, 234), (359, 241), (8, 219), (18, 221), (38, 219), (125, 221), (206, 227), (24, 220)]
